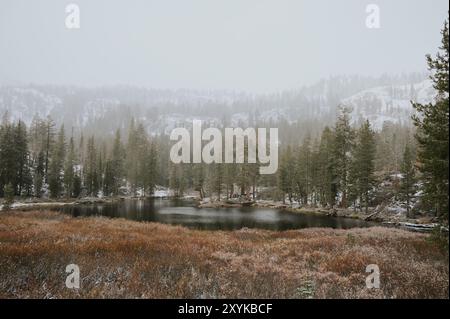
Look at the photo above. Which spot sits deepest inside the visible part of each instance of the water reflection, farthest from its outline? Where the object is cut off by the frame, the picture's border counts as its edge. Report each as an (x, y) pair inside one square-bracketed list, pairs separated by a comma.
[(181, 212)]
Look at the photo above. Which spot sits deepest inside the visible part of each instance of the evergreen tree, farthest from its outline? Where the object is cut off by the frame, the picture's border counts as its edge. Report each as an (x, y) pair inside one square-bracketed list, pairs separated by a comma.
[(100, 170), (14, 158), (149, 168), (177, 181), (69, 170), (433, 133), (77, 185), (408, 183), (49, 139), (286, 178), (82, 158), (8, 156), (343, 143), (314, 172), (56, 166), (108, 181), (36, 138), (327, 169), (303, 172), (363, 166), (216, 179), (27, 178), (90, 170), (199, 179), (134, 155), (39, 171), (116, 166), (22, 158)]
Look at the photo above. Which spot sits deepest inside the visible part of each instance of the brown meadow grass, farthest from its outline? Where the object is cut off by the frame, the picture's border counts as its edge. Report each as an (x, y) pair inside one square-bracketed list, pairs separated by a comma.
[(125, 259)]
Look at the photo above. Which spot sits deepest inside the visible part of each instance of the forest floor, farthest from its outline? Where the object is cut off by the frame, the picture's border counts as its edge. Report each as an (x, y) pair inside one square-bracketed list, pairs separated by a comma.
[(119, 258)]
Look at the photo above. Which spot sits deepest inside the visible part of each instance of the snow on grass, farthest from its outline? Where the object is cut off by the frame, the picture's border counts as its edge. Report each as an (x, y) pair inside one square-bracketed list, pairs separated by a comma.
[(126, 259)]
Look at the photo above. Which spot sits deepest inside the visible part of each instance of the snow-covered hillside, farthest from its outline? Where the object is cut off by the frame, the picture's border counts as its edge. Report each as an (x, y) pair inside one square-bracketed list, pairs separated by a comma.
[(24, 103), (388, 103), (162, 110)]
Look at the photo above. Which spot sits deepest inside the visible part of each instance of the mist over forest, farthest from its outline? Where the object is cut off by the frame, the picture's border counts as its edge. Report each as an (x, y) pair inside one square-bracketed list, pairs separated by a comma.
[(101, 111)]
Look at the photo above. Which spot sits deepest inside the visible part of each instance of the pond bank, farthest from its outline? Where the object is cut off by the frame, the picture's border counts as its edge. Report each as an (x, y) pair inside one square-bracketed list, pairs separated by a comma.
[(423, 224)]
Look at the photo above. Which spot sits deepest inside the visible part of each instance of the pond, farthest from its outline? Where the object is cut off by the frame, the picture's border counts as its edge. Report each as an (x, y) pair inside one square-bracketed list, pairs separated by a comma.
[(183, 212)]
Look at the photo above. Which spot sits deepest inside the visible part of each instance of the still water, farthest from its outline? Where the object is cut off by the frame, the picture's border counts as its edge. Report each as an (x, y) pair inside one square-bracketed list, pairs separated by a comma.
[(182, 212)]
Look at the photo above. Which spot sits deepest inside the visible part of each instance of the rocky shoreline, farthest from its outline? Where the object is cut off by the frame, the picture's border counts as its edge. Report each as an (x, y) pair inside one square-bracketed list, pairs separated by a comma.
[(421, 224)]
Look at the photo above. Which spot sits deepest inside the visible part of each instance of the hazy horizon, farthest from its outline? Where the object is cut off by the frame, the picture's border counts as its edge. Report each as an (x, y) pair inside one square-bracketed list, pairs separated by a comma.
[(252, 46)]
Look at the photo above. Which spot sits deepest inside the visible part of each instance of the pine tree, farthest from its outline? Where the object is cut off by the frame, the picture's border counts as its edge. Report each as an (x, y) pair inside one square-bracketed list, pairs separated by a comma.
[(216, 179), (8, 157), (117, 164), (77, 185), (254, 178), (177, 181), (36, 137), (27, 178), (56, 166), (315, 194), (108, 180), (363, 165), (199, 179), (408, 183), (22, 159), (286, 178), (433, 133), (132, 157), (90, 170), (69, 170), (343, 143), (49, 139), (327, 169), (82, 158), (14, 158), (303, 171), (149, 168), (100, 170), (39, 171)]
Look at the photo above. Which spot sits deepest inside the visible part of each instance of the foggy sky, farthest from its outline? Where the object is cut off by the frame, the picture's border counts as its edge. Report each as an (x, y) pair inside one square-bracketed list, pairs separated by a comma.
[(251, 45)]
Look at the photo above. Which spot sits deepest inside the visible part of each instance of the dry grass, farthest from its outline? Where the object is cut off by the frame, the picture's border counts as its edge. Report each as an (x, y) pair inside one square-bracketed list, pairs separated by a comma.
[(125, 259)]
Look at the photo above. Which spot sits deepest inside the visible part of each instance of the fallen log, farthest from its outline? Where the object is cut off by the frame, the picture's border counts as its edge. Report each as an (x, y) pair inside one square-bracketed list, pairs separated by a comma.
[(368, 218)]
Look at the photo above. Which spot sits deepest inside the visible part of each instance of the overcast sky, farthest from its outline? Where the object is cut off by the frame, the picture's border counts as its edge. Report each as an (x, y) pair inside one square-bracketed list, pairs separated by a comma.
[(252, 45)]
